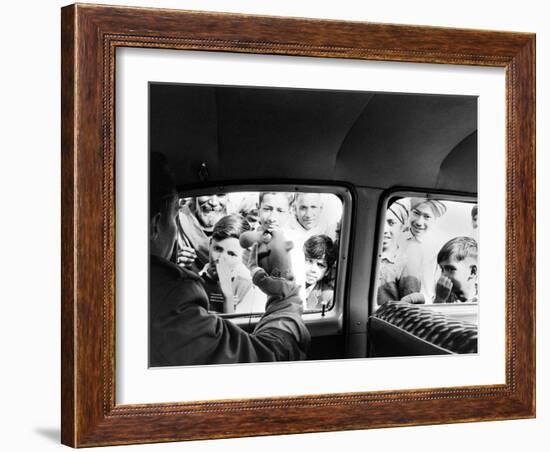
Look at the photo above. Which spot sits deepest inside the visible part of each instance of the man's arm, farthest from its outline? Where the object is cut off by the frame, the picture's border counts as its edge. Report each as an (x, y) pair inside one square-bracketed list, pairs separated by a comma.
[(192, 335), (284, 307)]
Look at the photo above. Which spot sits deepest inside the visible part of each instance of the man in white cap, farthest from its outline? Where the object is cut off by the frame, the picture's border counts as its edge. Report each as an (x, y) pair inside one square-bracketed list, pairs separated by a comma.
[(421, 252)]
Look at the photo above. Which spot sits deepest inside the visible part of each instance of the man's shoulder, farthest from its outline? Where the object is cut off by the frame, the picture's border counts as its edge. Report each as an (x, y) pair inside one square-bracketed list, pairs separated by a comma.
[(174, 286), (168, 269), (184, 273)]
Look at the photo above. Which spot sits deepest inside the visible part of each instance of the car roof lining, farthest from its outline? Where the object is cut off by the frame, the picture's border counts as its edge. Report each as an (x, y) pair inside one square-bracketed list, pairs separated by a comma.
[(381, 140)]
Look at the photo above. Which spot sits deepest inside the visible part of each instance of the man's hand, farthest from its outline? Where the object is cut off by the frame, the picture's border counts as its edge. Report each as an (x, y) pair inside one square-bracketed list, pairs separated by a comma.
[(443, 289), (186, 256)]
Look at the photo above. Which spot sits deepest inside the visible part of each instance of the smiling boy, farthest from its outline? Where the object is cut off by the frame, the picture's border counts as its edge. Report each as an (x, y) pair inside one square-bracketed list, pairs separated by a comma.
[(424, 212), (420, 250)]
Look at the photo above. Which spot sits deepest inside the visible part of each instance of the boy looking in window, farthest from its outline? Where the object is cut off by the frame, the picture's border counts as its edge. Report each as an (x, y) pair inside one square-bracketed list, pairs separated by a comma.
[(420, 251), (459, 273), (226, 278), (423, 216), (274, 210), (320, 256)]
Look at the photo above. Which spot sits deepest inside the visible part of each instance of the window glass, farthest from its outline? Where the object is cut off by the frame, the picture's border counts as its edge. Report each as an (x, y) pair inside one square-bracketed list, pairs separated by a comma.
[(428, 251), (297, 235)]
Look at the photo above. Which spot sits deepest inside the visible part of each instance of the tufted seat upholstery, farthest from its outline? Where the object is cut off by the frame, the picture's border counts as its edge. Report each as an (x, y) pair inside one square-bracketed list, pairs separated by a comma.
[(402, 329)]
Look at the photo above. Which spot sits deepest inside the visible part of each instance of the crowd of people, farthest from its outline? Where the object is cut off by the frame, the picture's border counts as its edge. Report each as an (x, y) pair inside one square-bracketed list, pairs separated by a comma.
[(414, 268), (209, 229)]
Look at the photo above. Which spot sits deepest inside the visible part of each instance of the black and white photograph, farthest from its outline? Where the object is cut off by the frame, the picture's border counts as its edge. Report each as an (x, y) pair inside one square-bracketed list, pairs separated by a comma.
[(292, 224)]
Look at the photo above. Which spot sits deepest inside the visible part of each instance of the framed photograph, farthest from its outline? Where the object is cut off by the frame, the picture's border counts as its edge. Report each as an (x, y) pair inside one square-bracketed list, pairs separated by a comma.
[(281, 225)]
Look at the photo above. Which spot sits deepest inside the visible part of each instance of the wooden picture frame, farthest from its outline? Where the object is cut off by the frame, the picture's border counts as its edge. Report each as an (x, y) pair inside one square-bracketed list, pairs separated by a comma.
[(90, 36)]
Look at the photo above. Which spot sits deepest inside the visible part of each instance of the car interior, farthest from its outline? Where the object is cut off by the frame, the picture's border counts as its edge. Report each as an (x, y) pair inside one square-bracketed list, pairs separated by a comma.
[(365, 149)]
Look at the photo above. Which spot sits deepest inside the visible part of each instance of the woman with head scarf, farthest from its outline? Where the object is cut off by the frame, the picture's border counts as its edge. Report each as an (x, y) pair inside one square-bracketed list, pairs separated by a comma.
[(392, 286)]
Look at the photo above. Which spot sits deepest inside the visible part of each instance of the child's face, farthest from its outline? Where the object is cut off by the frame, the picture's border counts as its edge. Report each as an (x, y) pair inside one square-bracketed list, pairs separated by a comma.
[(316, 269), (274, 211), (463, 275), (227, 250), (422, 219)]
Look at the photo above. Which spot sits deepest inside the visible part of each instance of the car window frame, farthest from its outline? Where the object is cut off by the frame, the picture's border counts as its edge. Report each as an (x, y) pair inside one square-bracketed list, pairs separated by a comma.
[(331, 323), (443, 195)]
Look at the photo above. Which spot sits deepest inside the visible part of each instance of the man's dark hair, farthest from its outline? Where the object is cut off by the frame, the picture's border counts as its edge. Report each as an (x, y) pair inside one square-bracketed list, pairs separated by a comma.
[(460, 248), (230, 226), (289, 196), (321, 247), (162, 186)]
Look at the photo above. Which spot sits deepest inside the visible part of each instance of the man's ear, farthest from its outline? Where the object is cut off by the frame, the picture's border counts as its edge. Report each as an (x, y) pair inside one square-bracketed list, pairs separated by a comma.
[(473, 270), (154, 227)]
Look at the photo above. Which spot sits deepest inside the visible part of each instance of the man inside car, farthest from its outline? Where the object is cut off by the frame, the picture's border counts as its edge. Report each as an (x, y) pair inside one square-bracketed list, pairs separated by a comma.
[(181, 330)]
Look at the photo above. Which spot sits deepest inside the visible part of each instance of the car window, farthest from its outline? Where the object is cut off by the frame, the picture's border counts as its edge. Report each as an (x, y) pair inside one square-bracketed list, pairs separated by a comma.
[(298, 236), (428, 251)]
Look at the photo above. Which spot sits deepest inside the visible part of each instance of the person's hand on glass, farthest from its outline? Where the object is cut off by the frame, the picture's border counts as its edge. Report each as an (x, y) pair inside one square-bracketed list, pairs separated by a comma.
[(443, 289), (414, 298), (186, 256)]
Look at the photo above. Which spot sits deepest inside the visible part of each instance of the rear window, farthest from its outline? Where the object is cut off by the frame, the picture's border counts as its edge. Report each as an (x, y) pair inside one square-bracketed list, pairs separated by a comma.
[(428, 251), (298, 234)]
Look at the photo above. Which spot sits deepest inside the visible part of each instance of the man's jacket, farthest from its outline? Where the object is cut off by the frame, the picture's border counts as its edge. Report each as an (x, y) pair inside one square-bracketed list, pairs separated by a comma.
[(182, 331)]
